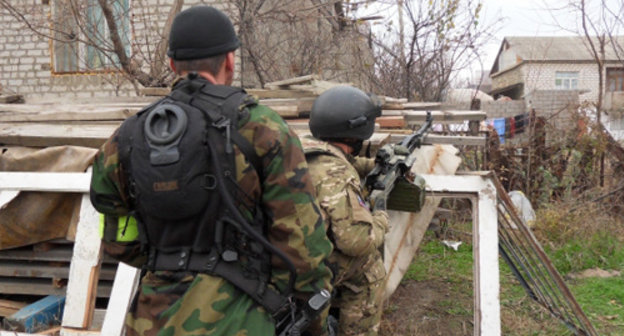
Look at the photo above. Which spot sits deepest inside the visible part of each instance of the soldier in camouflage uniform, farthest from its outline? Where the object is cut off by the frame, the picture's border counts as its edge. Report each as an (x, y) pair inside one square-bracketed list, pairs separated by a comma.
[(192, 303), (344, 117)]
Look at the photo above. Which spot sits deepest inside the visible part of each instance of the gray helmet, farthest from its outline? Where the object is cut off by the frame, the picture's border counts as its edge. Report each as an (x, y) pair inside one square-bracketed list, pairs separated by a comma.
[(200, 32), (344, 112)]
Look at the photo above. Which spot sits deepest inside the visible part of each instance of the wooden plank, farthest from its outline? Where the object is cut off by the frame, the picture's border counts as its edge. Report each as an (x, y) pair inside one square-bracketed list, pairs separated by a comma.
[(124, 287), (418, 117), (43, 181), (60, 253), (391, 121), (480, 189), (84, 269), (268, 94), (49, 332), (455, 140), (43, 287), (422, 106), (28, 269), (108, 114), (9, 307), (155, 91), (286, 111), (290, 81), (79, 332), (7, 109), (46, 135), (11, 99)]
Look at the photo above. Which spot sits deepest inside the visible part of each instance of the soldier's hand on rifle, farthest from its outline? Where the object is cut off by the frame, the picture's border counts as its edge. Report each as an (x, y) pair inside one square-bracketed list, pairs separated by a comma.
[(379, 202)]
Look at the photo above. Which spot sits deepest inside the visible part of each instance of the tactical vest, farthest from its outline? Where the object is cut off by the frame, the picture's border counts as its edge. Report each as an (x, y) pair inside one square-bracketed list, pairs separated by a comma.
[(179, 159)]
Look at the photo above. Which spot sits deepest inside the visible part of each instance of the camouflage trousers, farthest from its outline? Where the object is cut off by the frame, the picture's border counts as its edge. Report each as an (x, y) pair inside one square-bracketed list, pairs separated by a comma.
[(359, 297)]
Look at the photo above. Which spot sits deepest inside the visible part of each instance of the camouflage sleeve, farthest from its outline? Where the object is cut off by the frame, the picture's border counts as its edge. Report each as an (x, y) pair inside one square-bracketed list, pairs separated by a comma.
[(363, 165), (296, 225), (108, 196), (108, 192), (356, 231)]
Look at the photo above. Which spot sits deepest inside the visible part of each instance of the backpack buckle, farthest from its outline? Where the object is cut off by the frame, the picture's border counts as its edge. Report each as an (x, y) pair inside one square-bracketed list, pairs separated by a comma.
[(224, 123)]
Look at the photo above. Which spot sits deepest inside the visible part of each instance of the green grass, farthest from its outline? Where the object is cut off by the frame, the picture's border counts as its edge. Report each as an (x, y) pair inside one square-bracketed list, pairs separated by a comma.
[(602, 299), (436, 261), (601, 250)]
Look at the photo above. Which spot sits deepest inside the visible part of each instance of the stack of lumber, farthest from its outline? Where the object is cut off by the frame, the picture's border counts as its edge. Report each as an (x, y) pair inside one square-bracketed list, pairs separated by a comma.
[(90, 124), (41, 270)]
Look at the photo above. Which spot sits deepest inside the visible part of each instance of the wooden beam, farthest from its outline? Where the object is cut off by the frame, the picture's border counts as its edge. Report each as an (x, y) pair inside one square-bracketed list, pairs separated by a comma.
[(155, 91), (418, 117), (9, 307), (106, 114), (481, 190), (290, 81), (11, 99), (48, 182), (391, 121), (455, 140), (84, 269), (47, 135), (421, 106), (268, 94), (124, 287)]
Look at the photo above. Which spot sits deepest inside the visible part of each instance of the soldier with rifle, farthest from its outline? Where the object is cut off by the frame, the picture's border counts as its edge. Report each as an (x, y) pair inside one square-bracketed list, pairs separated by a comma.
[(340, 120)]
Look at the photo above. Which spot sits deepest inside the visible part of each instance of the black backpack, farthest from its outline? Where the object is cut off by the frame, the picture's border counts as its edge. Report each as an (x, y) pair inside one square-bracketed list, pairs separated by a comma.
[(179, 160)]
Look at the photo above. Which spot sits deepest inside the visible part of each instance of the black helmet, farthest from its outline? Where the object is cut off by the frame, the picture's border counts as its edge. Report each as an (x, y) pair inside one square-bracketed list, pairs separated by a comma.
[(201, 32), (344, 112)]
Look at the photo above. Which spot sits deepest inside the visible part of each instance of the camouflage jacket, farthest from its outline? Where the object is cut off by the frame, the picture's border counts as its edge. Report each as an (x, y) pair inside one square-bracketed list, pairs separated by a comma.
[(184, 303), (356, 232)]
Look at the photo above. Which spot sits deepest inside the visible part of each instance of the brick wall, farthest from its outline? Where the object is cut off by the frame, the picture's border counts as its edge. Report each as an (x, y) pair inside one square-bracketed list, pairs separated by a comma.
[(542, 77), (26, 58)]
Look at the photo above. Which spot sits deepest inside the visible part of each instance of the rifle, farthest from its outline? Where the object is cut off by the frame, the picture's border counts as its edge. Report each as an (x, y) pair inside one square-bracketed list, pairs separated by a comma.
[(392, 173), (295, 322)]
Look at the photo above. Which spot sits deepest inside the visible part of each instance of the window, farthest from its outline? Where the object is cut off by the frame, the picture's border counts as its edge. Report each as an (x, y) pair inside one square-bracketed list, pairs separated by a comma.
[(615, 79), (566, 80), (82, 41)]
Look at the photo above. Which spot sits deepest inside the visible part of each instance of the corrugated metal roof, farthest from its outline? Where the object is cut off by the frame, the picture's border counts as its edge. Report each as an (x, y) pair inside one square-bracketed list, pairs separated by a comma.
[(561, 48)]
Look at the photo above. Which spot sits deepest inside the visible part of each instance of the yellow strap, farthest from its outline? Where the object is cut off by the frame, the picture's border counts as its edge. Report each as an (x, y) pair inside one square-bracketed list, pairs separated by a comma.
[(127, 230)]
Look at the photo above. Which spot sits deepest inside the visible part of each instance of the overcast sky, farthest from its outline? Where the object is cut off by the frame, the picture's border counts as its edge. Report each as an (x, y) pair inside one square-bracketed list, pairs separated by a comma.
[(533, 18)]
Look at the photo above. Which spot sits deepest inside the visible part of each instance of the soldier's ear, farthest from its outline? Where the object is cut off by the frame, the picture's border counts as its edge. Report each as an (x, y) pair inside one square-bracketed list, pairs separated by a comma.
[(229, 62), (172, 65)]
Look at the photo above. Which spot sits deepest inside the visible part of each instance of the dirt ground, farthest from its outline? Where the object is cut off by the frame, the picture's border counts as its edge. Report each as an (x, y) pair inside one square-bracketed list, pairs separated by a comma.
[(423, 308)]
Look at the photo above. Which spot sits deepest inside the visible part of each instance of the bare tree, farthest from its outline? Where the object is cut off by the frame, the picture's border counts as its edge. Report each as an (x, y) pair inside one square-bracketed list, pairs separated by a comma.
[(103, 29), (282, 39), (442, 37), (599, 22)]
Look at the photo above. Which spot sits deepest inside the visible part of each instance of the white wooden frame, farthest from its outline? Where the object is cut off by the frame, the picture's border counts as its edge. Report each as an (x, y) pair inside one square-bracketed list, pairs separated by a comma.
[(86, 259), (481, 191)]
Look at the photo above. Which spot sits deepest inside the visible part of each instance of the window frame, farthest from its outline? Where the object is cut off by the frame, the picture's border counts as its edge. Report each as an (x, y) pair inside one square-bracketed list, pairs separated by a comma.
[(78, 57), (566, 80), (614, 79)]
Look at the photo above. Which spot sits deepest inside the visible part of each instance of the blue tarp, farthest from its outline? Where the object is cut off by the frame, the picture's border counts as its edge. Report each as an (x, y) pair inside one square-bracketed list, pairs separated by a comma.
[(499, 126)]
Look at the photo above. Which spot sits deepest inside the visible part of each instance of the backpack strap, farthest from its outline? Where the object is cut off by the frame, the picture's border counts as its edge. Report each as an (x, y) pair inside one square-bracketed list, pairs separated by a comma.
[(230, 101)]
